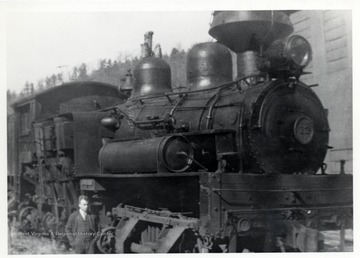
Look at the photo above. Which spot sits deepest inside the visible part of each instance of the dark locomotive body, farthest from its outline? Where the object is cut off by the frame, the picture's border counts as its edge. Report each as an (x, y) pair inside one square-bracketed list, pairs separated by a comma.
[(221, 166)]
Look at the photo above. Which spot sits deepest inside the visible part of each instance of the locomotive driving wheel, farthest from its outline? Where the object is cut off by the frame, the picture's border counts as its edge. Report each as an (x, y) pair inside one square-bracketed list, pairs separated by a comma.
[(49, 222), (29, 218), (106, 240)]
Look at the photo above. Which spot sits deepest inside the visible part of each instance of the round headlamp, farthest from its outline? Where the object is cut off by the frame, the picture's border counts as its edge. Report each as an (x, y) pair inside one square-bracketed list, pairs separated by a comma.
[(298, 50)]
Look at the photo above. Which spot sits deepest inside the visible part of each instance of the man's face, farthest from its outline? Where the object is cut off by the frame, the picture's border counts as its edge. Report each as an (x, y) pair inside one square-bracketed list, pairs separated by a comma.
[(83, 205)]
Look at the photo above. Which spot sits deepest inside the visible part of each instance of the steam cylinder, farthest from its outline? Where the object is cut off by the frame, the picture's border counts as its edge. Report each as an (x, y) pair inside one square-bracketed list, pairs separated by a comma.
[(152, 76), (208, 65)]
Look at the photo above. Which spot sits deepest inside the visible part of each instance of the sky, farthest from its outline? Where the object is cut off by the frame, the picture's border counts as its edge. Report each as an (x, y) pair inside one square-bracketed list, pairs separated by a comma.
[(47, 37), (40, 44)]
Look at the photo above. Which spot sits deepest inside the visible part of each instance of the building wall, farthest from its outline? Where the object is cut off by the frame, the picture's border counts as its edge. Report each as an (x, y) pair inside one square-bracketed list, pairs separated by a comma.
[(330, 34), (11, 146)]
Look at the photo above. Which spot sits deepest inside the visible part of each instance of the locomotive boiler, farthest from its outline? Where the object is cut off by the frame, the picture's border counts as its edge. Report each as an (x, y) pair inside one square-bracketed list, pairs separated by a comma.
[(227, 163)]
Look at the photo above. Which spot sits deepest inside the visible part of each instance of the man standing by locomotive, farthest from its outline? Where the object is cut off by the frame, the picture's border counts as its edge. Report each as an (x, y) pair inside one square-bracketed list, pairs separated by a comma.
[(81, 228)]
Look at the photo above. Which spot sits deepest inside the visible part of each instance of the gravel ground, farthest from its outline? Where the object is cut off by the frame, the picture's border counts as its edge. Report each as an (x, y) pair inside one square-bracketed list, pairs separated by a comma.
[(27, 243), (332, 241), (32, 243)]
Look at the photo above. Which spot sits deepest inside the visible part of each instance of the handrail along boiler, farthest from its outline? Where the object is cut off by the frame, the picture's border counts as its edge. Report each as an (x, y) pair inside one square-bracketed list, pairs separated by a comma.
[(223, 165)]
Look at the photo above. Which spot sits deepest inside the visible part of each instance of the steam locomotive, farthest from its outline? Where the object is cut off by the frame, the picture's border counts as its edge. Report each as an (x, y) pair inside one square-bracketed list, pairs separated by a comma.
[(221, 165)]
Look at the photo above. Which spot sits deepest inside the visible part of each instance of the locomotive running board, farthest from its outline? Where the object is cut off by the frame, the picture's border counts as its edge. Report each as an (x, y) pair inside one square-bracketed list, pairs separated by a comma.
[(149, 231)]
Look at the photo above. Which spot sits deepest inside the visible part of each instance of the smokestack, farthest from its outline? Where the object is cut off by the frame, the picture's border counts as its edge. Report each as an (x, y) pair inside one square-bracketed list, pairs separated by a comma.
[(248, 30)]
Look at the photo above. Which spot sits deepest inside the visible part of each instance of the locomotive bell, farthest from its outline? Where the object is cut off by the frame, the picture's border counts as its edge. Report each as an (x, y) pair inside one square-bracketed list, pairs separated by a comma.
[(127, 84), (208, 65)]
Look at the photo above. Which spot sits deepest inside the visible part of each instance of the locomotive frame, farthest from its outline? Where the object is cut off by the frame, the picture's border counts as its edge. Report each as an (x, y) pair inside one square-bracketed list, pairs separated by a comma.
[(138, 157)]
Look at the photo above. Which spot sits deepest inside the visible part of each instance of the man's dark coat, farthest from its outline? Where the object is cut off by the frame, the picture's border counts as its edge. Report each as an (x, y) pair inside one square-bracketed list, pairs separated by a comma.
[(71, 228)]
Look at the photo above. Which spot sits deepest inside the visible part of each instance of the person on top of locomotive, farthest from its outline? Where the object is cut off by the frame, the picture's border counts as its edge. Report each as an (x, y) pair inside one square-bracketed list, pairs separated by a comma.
[(82, 228)]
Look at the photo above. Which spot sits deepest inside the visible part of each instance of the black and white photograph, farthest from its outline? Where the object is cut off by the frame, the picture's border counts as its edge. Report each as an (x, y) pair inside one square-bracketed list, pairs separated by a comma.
[(182, 128)]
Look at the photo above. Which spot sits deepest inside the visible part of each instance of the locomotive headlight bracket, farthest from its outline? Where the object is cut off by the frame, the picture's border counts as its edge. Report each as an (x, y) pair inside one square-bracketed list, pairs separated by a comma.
[(287, 57), (298, 50)]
